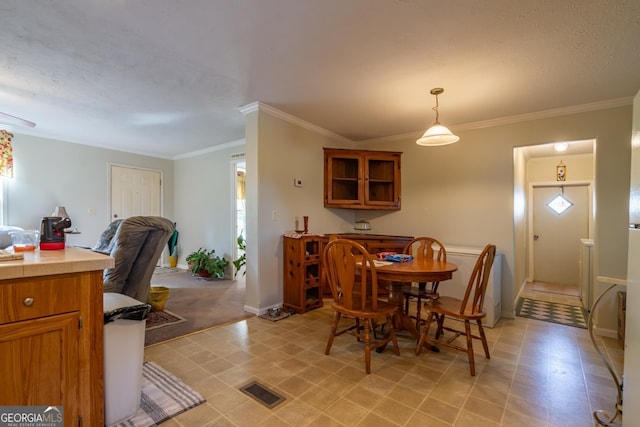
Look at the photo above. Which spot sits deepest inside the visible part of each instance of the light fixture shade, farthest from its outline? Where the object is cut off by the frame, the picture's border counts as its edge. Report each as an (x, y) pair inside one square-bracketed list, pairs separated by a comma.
[(437, 135)]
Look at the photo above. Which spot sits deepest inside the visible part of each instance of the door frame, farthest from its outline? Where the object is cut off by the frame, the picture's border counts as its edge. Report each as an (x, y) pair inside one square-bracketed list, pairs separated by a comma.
[(530, 251), (235, 160)]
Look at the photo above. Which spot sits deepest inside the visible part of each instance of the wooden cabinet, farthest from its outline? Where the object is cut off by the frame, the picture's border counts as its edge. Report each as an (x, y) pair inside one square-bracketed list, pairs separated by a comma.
[(361, 179), (51, 343), (302, 273), (373, 243)]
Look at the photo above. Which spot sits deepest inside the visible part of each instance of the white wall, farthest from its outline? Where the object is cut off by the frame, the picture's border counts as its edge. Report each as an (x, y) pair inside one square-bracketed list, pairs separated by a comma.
[(49, 172), (203, 203)]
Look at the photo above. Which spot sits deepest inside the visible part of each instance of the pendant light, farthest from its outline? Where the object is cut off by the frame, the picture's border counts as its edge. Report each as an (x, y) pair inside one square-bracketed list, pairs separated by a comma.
[(437, 134)]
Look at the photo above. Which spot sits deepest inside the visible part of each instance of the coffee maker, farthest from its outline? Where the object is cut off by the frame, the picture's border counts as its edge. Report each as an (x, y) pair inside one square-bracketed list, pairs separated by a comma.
[(52, 232)]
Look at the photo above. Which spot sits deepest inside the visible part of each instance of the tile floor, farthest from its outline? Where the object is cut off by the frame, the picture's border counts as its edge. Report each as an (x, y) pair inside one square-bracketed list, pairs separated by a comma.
[(540, 374)]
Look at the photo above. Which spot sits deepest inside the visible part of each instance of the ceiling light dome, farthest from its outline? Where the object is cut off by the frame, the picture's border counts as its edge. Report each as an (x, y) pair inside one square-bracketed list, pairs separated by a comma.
[(437, 134)]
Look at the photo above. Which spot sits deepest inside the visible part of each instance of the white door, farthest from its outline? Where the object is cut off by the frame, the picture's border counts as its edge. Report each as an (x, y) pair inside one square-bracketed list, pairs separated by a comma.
[(556, 237), (134, 192)]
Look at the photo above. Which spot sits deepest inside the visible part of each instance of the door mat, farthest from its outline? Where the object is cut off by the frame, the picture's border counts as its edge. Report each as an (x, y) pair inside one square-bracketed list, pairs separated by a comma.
[(554, 312), (158, 319), (262, 394), (163, 397)]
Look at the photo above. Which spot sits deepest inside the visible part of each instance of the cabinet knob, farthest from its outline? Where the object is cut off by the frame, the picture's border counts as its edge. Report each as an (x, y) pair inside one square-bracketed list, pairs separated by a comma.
[(28, 302)]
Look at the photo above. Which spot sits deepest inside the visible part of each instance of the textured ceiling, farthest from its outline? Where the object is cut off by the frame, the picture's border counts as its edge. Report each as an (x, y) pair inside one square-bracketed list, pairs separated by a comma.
[(167, 77)]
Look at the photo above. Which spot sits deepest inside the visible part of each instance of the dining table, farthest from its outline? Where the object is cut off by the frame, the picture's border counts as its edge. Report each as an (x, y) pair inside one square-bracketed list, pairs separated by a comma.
[(401, 274)]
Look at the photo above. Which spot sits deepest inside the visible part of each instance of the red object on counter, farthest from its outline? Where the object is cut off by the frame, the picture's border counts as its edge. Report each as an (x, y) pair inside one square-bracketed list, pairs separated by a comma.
[(51, 246)]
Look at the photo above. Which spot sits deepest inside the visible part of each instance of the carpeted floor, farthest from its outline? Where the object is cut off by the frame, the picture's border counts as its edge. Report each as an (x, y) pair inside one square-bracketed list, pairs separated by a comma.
[(163, 397), (202, 303), (553, 312)]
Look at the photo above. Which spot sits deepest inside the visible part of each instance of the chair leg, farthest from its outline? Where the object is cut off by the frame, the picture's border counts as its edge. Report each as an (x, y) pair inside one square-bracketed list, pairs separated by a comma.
[(367, 345), (334, 328), (483, 338), (423, 336), (418, 319), (472, 363), (440, 321), (392, 332)]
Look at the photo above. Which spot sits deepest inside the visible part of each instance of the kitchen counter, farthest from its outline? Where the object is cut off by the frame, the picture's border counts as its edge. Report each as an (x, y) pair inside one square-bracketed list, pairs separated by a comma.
[(51, 327), (44, 263)]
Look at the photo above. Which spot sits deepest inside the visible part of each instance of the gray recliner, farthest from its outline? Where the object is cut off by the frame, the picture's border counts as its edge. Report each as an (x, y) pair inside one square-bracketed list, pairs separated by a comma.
[(136, 244)]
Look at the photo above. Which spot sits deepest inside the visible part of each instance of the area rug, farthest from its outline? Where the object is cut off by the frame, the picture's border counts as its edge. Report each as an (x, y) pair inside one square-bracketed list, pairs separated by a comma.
[(570, 315), (158, 319), (163, 397), (203, 303)]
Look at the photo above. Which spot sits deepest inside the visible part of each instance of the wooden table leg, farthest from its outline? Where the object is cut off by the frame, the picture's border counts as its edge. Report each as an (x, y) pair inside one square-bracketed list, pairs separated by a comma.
[(401, 321)]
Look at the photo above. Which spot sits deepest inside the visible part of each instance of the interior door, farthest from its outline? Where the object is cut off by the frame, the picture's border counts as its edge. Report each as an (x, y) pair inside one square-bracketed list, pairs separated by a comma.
[(134, 192), (556, 237)]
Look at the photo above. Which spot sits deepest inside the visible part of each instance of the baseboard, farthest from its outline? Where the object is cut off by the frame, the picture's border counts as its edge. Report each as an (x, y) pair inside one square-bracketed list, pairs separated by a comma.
[(609, 333)]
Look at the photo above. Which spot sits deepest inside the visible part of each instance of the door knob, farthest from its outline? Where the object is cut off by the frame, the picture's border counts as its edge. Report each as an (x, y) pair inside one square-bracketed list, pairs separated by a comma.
[(536, 237)]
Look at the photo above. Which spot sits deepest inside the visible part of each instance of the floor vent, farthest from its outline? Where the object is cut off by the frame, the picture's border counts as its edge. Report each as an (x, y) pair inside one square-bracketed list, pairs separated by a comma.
[(262, 394)]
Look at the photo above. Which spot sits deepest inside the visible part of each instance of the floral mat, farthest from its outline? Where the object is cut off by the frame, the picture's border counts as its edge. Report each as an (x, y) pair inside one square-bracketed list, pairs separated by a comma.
[(158, 319), (565, 314)]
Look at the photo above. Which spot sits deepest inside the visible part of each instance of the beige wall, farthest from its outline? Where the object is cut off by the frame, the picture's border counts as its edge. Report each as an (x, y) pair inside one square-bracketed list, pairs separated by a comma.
[(277, 151), (464, 193), (461, 193), (580, 167)]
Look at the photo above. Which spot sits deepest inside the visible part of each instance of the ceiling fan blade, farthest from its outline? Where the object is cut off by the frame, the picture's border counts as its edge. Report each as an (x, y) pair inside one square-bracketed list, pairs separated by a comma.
[(13, 120)]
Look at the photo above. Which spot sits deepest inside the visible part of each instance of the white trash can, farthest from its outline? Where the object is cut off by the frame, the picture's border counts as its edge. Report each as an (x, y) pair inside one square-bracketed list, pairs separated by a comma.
[(124, 326)]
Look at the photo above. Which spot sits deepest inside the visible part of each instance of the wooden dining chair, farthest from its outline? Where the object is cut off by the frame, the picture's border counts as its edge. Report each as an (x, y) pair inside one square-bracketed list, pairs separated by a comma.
[(351, 275), (422, 247), (468, 309)]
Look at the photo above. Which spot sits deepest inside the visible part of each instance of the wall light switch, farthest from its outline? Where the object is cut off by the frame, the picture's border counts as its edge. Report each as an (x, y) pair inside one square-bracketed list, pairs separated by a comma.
[(297, 182)]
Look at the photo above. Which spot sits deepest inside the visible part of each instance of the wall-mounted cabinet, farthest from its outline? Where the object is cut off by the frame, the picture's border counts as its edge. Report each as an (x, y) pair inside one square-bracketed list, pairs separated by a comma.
[(361, 179)]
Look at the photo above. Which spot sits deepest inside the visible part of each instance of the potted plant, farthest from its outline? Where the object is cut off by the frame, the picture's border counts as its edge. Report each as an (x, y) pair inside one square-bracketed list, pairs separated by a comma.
[(206, 263), (241, 262)]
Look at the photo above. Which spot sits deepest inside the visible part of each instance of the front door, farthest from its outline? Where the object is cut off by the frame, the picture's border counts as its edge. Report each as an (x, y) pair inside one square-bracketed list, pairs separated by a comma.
[(556, 236)]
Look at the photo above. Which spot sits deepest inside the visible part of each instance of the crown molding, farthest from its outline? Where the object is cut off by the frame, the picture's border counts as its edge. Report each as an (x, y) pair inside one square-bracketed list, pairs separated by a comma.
[(219, 147), (547, 114), (272, 111)]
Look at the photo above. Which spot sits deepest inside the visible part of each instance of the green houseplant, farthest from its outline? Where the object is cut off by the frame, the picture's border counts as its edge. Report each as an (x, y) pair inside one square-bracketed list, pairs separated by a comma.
[(206, 263), (242, 260)]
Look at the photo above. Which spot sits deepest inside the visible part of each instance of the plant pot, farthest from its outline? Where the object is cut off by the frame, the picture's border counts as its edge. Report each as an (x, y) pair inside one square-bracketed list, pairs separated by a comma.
[(204, 273)]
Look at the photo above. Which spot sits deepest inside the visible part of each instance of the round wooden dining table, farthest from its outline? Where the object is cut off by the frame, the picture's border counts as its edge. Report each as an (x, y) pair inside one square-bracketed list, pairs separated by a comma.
[(399, 274)]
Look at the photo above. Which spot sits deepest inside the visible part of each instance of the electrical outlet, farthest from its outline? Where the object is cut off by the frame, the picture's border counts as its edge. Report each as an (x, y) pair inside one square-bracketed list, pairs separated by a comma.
[(274, 215), (297, 182)]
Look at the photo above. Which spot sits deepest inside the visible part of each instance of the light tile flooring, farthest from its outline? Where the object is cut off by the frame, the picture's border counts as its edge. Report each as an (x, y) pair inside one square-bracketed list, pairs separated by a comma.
[(540, 374)]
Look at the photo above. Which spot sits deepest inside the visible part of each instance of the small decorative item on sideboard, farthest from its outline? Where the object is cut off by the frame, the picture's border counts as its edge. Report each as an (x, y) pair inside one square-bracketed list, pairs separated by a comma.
[(361, 225)]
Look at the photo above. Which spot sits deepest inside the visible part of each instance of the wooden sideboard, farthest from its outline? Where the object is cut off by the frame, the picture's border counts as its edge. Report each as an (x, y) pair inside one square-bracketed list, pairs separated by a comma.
[(373, 243), (51, 333)]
